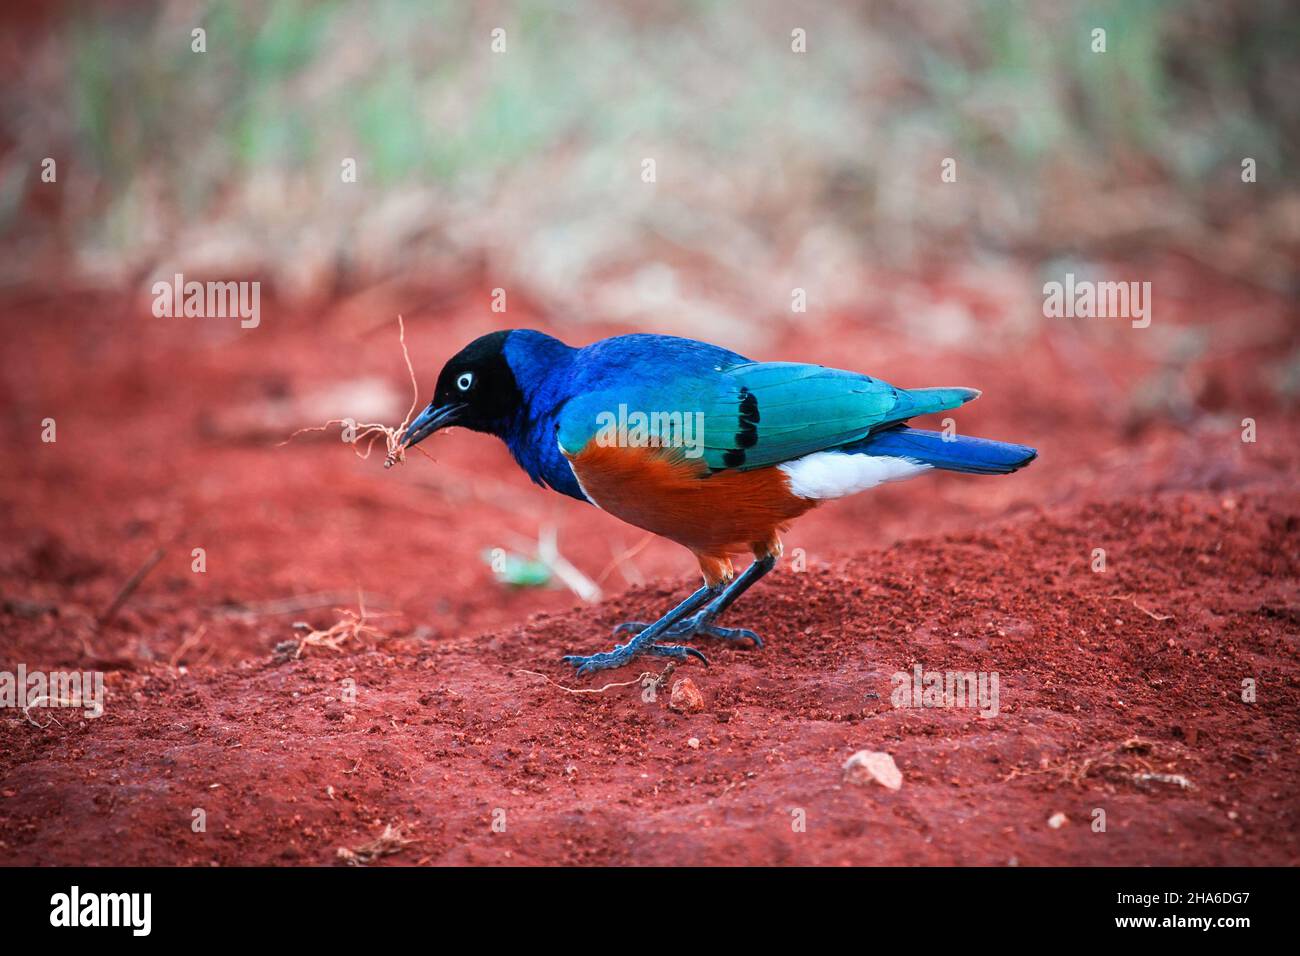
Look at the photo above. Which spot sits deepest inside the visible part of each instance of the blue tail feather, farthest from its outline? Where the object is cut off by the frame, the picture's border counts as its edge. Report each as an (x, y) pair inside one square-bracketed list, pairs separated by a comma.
[(971, 456)]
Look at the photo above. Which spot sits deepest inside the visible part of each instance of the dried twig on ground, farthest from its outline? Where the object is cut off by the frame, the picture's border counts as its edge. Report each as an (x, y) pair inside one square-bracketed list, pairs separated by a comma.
[(133, 582), (47, 699), (1151, 614), (186, 644), (1174, 779), (391, 841), (368, 432), (351, 626), (1128, 762), (645, 678)]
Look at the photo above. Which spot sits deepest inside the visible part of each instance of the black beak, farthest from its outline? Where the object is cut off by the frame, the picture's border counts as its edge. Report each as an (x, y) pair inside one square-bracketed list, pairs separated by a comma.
[(429, 421)]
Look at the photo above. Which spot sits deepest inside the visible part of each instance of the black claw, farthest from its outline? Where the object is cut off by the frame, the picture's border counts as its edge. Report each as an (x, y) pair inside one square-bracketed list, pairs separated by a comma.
[(737, 634), (695, 627), (677, 651)]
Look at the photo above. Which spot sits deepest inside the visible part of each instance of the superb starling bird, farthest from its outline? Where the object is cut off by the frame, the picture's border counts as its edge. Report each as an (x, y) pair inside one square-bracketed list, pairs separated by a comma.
[(699, 445)]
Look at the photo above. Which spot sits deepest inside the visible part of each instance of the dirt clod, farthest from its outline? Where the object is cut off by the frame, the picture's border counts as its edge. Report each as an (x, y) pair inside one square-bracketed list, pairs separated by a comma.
[(686, 697)]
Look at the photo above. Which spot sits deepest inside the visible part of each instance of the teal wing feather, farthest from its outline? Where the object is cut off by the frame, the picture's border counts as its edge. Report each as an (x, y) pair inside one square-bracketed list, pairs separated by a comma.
[(662, 408), (760, 413), (770, 412)]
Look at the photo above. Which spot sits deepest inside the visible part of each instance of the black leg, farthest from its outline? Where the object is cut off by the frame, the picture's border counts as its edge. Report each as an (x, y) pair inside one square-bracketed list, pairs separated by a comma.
[(739, 586), (702, 623), (702, 607)]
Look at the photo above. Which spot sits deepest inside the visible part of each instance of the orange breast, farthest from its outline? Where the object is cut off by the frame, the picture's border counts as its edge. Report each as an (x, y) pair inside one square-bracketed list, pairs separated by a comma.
[(712, 514)]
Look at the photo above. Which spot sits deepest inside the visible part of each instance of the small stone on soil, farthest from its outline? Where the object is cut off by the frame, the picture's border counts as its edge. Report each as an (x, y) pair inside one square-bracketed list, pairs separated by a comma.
[(686, 697), (868, 765)]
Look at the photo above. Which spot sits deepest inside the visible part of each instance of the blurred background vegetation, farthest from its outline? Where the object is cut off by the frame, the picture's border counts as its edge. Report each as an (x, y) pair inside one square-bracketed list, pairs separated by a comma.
[(775, 169)]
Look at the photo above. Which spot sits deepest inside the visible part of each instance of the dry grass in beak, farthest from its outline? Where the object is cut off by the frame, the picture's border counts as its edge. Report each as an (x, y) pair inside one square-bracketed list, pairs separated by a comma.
[(369, 432)]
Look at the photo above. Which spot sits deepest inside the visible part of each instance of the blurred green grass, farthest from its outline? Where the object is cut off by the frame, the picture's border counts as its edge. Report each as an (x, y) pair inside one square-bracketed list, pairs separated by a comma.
[(250, 134)]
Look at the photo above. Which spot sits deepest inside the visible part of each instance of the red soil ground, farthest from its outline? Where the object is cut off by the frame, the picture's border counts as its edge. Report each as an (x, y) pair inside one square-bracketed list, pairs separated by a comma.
[(167, 433)]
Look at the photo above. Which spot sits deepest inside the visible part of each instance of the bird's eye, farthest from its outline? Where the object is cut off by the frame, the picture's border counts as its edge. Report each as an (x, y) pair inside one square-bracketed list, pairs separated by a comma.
[(465, 381)]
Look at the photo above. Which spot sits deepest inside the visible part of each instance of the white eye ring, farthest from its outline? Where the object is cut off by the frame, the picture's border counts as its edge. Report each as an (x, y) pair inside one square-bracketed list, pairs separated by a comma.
[(465, 381)]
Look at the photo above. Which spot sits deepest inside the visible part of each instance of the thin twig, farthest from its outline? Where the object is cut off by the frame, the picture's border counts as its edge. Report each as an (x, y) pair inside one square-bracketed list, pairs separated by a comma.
[(1151, 614), (1175, 779), (639, 679), (186, 644), (47, 699), (1127, 760), (626, 556), (548, 552), (131, 584)]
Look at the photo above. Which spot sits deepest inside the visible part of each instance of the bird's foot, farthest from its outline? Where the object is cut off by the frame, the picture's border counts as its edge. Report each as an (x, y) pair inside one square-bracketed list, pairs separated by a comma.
[(697, 625), (586, 663), (623, 653)]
